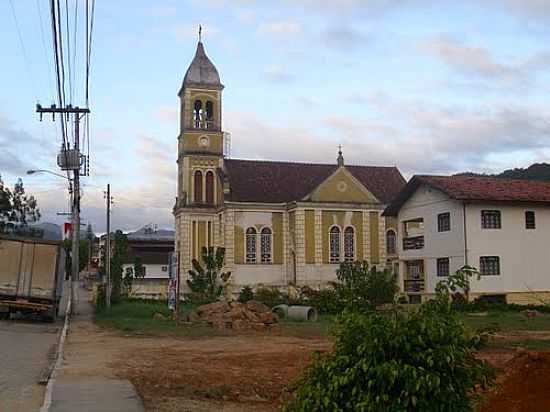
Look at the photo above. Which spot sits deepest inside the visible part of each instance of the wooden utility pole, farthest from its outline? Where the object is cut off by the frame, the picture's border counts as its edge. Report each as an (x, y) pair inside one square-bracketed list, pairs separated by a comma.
[(108, 249), (70, 159)]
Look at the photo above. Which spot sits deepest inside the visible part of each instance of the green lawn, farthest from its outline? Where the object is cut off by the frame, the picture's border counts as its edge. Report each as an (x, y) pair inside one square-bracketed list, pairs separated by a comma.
[(507, 321), (135, 316)]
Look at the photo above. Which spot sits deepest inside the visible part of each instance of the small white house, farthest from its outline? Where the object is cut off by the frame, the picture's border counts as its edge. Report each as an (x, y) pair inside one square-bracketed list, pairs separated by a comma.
[(500, 227)]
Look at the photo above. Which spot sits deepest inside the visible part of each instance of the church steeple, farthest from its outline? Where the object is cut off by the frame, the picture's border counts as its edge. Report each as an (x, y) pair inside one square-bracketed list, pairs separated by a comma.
[(201, 139), (201, 74)]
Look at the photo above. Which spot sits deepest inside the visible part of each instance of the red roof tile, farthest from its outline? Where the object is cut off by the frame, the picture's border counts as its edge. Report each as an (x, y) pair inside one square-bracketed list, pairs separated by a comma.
[(476, 188), (281, 182)]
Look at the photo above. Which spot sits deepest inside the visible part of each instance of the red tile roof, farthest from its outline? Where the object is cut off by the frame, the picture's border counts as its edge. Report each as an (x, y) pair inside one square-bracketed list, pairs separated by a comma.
[(281, 182), (476, 188)]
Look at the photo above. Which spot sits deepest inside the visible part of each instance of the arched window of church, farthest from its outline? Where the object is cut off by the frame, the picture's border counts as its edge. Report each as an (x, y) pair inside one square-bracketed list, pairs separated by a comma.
[(349, 244), (391, 242), (198, 187), (265, 244), (197, 113), (210, 188), (250, 245), (334, 242), (209, 114)]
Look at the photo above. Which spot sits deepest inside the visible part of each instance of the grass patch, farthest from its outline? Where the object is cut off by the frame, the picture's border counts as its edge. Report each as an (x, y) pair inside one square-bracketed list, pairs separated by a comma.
[(306, 329), (507, 321), (137, 316)]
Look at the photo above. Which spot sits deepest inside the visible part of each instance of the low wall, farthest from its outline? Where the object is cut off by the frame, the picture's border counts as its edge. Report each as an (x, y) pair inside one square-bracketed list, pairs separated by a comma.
[(150, 288)]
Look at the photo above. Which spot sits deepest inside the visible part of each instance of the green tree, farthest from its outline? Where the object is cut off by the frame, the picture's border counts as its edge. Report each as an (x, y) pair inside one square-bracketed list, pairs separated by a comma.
[(17, 209), (422, 361), (139, 269), (206, 279), (120, 251), (360, 288)]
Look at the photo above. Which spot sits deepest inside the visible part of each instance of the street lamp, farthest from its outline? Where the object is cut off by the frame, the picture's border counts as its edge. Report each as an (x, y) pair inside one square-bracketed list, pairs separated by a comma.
[(32, 172)]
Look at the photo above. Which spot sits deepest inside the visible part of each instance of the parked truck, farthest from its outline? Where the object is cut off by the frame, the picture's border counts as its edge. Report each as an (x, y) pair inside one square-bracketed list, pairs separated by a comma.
[(32, 273)]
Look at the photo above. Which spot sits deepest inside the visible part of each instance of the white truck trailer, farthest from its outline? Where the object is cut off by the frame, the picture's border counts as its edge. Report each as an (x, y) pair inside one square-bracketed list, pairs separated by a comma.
[(32, 272)]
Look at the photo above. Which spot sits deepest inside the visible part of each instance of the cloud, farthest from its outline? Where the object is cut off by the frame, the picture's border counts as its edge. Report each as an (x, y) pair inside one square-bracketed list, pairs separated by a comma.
[(468, 59), (409, 134), (18, 148), (277, 74), (280, 28), (343, 38), (482, 69), (158, 158)]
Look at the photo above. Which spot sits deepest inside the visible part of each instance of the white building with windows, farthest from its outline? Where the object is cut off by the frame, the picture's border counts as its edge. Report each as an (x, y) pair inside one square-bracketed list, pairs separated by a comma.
[(500, 227)]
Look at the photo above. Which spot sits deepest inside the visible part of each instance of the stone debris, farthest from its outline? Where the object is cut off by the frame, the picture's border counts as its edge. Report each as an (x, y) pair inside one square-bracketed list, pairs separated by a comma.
[(235, 315)]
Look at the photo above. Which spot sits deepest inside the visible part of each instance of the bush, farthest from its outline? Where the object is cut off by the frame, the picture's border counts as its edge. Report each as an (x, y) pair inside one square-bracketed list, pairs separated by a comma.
[(421, 362), (324, 300), (246, 294), (206, 280), (360, 289), (270, 296)]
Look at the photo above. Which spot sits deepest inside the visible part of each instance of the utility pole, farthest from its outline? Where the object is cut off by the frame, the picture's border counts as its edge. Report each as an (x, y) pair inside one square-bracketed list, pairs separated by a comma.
[(70, 159), (108, 249)]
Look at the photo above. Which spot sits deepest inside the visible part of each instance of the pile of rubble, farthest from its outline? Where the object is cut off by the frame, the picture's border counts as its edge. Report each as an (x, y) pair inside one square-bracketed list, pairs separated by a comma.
[(235, 315)]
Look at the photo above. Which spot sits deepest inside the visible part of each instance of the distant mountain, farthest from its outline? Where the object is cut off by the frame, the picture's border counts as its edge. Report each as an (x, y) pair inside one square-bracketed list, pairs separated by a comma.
[(537, 171)]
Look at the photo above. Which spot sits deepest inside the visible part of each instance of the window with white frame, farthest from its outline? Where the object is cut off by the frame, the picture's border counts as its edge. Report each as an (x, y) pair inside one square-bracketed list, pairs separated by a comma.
[(490, 219), (334, 242), (250, 245), (349, 244), (443, 267), (489, 265), (444, 222), (265, 245), (391, 242), (530, 220)]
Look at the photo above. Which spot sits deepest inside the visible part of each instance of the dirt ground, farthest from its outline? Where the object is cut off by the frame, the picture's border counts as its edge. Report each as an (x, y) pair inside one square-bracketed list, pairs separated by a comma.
[(524, 384), (245, 372), (249, 372)]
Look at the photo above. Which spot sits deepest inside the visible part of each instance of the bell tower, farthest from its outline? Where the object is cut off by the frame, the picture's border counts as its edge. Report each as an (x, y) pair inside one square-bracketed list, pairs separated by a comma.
[(198, 209), (200, 142)]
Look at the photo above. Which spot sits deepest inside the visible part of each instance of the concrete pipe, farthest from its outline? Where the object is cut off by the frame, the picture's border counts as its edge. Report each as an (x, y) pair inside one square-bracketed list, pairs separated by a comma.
[(281, 311), (306, 313)]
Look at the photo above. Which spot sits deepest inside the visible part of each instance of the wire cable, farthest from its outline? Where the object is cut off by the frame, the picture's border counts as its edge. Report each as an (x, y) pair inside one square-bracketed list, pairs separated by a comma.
[(47, 60), (24, 51)]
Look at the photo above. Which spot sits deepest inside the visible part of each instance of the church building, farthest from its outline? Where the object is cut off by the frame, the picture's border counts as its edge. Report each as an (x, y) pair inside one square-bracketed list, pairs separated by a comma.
[(281, 223)]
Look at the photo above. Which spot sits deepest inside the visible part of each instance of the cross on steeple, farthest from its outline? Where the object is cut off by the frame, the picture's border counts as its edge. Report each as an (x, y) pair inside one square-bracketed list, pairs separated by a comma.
[(200, 33), (340, 159)]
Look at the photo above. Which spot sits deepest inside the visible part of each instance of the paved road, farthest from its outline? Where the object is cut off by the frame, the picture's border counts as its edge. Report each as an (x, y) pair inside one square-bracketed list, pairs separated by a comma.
[(26, 348)]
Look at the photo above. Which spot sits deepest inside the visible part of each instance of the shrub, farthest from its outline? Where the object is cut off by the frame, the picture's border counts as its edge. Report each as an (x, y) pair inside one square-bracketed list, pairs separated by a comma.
[(246, 294), (270, 296), (359, 288), (324, 300), (421, 362), (207, 283)]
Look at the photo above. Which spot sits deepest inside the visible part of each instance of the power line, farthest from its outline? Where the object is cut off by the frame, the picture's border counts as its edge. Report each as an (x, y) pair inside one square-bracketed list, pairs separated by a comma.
[(24, 51), (74, 46), (67, 34), (43, 38)]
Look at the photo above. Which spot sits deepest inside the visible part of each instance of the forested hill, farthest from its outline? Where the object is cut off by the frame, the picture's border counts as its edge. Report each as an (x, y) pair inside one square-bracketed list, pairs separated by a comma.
[(537, 171)]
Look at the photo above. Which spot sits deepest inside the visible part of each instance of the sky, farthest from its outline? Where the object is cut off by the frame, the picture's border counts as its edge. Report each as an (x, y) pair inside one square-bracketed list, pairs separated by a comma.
[(429, 86)]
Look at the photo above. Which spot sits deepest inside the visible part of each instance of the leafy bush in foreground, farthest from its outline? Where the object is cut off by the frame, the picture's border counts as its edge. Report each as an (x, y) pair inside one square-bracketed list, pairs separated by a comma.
[(422, 361)]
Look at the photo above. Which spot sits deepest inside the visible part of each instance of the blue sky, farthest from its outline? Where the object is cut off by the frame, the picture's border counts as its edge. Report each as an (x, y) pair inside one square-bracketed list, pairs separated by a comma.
[(429, 86)]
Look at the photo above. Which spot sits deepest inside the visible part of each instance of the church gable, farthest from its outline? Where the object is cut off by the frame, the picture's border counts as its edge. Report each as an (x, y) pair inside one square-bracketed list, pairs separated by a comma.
[(341, 186)]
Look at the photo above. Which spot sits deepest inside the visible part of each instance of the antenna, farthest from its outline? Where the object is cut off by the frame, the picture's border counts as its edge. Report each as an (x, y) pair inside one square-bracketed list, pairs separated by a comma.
[(227, 145)]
